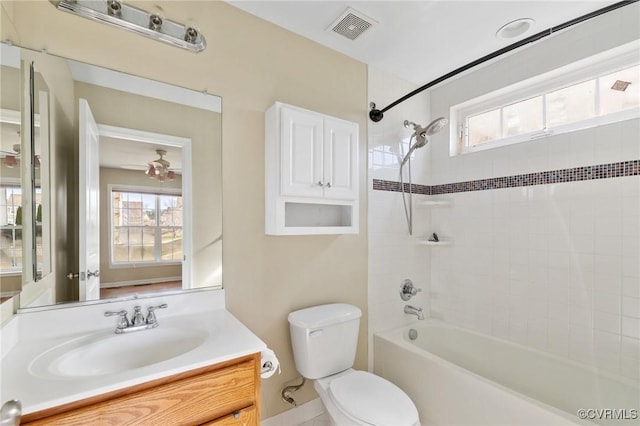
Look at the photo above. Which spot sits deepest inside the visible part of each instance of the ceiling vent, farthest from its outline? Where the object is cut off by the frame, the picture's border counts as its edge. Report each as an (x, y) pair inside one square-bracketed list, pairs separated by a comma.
[(351, 24), (620, 85)]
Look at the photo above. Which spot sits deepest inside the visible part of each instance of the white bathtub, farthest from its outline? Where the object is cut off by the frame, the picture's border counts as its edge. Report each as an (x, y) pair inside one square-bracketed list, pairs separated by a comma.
[(458, 377)]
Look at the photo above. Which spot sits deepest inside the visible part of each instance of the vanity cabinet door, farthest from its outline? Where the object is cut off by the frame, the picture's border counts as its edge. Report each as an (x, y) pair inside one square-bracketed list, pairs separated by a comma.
[(188, 401)]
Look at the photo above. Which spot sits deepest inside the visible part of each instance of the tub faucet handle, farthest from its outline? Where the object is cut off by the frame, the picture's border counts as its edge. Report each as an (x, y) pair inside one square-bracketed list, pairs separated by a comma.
[(407, 290)]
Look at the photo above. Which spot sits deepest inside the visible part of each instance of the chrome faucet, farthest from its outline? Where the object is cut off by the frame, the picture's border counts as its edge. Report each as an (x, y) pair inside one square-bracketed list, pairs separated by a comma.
[(408, 309), (138, 322), (138, 318)]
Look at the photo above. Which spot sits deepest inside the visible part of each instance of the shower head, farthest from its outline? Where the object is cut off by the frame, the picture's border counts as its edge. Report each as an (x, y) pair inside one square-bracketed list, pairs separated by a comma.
[(420, 133), (436, 125)]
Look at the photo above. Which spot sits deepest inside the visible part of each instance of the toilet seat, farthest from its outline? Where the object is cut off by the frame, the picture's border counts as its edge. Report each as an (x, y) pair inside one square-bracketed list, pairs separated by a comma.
[(373, 400)]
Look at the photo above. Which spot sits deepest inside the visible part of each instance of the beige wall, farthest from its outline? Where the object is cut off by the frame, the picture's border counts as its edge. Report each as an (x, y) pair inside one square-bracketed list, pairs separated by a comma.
[(10, 86), (251, 64)]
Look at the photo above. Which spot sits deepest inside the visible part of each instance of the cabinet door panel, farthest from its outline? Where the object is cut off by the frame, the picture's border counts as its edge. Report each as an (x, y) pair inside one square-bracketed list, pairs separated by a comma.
[(341, 160), (190, 401), (301, 162)]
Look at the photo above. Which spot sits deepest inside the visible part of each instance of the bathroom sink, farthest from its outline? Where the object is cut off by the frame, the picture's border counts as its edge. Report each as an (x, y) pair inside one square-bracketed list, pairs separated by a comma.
[(109, 353)]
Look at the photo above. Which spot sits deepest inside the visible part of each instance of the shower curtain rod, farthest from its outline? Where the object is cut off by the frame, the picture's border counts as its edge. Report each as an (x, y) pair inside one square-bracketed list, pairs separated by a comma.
[(377, 114)]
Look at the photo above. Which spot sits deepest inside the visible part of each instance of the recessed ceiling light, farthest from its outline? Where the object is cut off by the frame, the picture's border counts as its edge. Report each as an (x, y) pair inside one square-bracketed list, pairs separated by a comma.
[(515, 28)]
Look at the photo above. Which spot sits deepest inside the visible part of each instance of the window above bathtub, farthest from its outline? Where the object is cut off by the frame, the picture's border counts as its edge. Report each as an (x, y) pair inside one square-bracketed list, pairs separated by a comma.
[(598, 90)]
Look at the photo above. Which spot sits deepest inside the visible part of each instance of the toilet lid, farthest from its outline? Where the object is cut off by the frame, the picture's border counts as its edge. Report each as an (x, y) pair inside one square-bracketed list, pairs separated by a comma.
[(373, 400)]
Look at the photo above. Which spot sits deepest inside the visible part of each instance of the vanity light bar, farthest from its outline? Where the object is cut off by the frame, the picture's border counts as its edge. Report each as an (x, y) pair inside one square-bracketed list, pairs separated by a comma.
[(148, 24)]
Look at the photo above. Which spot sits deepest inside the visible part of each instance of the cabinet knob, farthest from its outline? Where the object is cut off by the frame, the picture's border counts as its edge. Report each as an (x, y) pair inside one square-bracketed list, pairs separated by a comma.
[(320, 183), (328, 184)]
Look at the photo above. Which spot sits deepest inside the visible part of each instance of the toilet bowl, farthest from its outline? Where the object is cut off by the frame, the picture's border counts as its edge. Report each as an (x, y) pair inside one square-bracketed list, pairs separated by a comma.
[(324, 340), (355, 397)]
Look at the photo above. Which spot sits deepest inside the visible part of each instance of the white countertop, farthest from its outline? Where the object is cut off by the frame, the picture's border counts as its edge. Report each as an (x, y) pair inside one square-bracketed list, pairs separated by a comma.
[(227, 338)]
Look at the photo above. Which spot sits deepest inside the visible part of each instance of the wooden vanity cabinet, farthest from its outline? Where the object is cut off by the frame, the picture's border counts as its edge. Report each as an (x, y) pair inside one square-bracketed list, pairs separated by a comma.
[(224, 394)]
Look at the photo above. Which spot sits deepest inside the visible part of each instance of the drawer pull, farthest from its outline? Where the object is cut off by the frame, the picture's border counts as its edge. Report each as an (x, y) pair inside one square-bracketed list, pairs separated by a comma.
[(236, 414)]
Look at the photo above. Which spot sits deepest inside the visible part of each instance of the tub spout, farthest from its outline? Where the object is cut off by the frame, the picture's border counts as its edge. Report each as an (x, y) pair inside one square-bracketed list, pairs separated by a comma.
[(408, 309)]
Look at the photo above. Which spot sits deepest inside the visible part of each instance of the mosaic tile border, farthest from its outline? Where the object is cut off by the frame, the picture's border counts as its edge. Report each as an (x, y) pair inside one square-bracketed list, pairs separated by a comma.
[(600, 171)]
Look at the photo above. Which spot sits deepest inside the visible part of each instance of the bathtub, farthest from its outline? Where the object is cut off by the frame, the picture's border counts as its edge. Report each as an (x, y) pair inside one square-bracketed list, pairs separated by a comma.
[(459, 377)]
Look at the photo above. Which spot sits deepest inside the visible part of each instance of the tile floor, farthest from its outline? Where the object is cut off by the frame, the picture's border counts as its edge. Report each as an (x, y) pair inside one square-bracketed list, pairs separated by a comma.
[(321, 420)]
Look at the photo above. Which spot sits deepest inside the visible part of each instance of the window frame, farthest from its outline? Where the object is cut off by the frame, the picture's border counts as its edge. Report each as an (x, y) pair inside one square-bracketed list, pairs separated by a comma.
[(141, 190), (577, 72)]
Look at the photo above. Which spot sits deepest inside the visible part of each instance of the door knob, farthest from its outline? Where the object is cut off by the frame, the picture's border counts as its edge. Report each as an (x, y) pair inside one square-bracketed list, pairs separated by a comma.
[(11, 413), (95, 273), (72, 275)]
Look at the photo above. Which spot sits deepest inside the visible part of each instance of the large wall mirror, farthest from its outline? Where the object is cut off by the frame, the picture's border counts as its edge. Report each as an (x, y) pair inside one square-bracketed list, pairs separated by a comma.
[(133, 167)]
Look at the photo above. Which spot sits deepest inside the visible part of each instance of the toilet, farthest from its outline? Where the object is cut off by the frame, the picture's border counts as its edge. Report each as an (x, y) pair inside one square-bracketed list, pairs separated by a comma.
[(324, 340)]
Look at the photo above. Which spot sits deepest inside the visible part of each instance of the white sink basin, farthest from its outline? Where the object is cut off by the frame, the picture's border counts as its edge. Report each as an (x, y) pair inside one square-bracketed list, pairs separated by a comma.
[(109, 353)]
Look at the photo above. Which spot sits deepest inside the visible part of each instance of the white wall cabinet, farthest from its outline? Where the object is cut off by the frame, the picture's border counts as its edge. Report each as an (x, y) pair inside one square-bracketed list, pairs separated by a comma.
[(311, 171)]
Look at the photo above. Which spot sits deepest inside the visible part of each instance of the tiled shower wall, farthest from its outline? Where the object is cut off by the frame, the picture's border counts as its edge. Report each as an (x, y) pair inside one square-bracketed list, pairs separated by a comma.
[(554, 266)]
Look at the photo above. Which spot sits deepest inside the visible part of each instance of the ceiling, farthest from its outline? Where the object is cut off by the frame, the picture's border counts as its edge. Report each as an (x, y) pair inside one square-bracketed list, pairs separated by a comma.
[(137, 154), (418, 41)]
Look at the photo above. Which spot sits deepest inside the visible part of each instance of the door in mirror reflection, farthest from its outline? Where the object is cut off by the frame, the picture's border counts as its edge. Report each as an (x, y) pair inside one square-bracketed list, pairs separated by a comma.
[(89, 213)]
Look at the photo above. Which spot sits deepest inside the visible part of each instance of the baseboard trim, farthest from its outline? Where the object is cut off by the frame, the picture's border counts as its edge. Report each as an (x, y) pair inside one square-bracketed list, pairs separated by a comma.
[(139, 282), (296, 415)]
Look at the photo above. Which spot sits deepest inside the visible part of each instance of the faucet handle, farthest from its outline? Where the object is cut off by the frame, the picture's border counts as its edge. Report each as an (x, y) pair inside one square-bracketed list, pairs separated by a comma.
[(123, 321), (151, 316)]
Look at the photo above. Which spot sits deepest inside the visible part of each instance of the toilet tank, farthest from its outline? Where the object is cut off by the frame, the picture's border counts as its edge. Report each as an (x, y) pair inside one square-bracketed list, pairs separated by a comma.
[(324, 338)]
